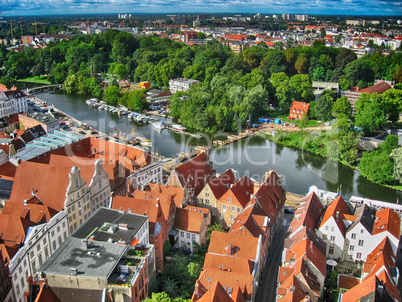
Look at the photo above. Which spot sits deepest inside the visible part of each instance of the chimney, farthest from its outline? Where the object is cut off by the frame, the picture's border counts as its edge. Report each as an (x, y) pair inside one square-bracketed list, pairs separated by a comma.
[(33, 192), (73, 271), (84, 243), (123, 226), (229, 249)]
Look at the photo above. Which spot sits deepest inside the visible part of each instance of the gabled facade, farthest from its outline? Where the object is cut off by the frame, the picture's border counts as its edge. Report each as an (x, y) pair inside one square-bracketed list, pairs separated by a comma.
[(299, 109), (214, 190), (332, 228)]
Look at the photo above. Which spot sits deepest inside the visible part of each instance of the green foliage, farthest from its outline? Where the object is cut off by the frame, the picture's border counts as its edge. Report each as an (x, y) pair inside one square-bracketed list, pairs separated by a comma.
[(377, 166), (135, 100), (396, 156), (342, 107), (8, 81), (111, 95), (166, 247), (164, 297), (370, 117), (391, 143), (324, 105)]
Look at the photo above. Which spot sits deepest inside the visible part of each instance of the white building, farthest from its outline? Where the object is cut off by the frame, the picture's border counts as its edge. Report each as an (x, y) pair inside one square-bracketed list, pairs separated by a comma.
[(145, 175), (181, 84), (332, 228), (40, 243), (12, 101)]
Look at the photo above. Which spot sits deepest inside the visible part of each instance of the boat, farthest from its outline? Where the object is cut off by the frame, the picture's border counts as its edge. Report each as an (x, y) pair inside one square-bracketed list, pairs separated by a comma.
[(145, 142), (159, 125), (130, 115), (146, 119), (178, 127)]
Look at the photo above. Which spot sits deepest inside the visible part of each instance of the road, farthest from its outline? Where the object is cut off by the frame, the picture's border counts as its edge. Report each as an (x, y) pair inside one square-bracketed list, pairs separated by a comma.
[(268, 280)]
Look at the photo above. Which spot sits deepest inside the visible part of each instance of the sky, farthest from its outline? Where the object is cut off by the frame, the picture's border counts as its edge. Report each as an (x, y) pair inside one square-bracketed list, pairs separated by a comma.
[(326, 7)]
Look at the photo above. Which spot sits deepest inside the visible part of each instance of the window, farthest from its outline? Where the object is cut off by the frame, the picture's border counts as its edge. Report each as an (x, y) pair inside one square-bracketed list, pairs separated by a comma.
[(238, 210), (33, 266), (76, 182), (233, 209), (361, 231), (224, 208), (46, 254), (352, 248), (232, 217), (83, 191), (44, 241), (326, 227), (17, 289), (38, 247), (324, 236), (206, 194), (79, 202), (58, 229), (353, 236), (25, 263), (193, 237), (40, 259), (229, 199), (361, 242), (207, 201), (59, 240), (20, 269), (332, 229), (359, 255), (54, 245), (53, 232), (188, 235), (331, 250), (332, 238)]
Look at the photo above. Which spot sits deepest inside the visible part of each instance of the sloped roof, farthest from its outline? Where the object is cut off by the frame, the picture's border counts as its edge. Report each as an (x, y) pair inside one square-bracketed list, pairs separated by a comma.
[(49, 182), (291, 291), (244, 246), (367, 287), (299, 107), (8, 252), (228, 263), (247, 224), (228, 279), (379, 88), (347, 282), (307, 214), (7, 171), (387, 220), (336, 210), (306, 233), (46, 294), (176, 192), (195, 173), (363, 215), (222, 183), (13, 229), (188, 220), (37, 213), (216, 294), (306, 248)]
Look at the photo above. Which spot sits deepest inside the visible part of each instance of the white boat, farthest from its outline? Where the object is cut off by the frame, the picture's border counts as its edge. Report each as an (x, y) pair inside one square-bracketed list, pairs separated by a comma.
[(158, 126), (146, 119), (101, 107), (178, 127), (145, 143)]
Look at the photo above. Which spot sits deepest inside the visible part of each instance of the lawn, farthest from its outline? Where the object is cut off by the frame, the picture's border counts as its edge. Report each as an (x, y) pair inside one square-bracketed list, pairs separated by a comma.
[(37, 80)]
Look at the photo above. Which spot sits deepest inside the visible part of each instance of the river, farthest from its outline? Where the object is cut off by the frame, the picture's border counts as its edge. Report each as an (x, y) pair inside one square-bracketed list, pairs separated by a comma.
[(252, 156)]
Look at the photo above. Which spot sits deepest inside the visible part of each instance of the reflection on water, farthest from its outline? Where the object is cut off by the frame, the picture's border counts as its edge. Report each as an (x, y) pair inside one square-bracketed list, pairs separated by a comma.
[(251, 156)]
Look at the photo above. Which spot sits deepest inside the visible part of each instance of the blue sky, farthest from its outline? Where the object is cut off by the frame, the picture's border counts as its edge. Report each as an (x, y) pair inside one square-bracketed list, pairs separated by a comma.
[(341, 7)]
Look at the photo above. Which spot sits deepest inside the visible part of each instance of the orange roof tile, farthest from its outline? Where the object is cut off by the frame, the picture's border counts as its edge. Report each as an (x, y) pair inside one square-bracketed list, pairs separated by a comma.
[(7, 171), (228, 263), (291, 291), (247, 224), (229, 280), (299, 107), (215, 294), (13, 229), (8, 252), (307, 214), (379, 88), (46, 294), (337, 208), (188, 220), (240, 192), (176, 192), (347, 282), (195, 173), (37, 213), (49, 183), (243, 247), (387, 220), (222, 183), (365, 288)]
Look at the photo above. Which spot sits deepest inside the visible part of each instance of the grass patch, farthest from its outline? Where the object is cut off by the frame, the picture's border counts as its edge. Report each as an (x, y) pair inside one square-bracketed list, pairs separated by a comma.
[(37, 80)]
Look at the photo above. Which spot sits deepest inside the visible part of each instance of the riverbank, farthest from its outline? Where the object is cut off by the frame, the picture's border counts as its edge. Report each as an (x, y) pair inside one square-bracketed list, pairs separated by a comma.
[(36, 80)]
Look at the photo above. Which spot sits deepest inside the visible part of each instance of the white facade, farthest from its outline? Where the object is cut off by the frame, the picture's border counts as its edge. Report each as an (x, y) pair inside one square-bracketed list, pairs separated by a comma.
[(99, 187), (151, 173), (333, 237), (7, 106), (40, 243), (181, 84), (358, 243), (186, 240), (12, 102)]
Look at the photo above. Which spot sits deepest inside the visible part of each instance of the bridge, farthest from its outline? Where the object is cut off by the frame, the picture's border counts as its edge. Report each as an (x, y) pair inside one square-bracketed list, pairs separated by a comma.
[(43, 88)]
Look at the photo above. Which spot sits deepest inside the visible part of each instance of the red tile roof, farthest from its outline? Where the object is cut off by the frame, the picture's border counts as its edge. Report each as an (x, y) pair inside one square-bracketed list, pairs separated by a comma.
[(291, 291), (246, 224), (46, 294), (307, 214), (299, 107), (176, 192), (228, 263), (8, 252), (195, 173), (222, 183), (347, 282), (378, 88), (7, 171), (336, 210), (215, 294), (243, 247), (49, 183), (190, 221), (240, 192), (37, 213), (13, 229), (387, 220), (368, 286)]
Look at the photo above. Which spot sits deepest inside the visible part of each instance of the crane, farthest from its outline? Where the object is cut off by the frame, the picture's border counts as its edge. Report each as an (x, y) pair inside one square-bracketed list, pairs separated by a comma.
[(21, 25), (36, 29), (11, 28)]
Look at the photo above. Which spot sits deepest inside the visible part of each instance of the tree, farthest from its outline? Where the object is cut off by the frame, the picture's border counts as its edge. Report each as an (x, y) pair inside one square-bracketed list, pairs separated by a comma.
[(136, 100), (342, 107), (370, 117), (377, 166), (396, 155), (302, 63), (8, 81), (324, 105), (164, 297), (37, 70), (121, 71), (391, 143), (111, 95), (301, 88), (323, 32)]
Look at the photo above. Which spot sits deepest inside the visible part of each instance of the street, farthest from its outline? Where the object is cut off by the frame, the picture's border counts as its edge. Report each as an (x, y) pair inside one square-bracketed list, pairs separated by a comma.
[(268, 280)]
